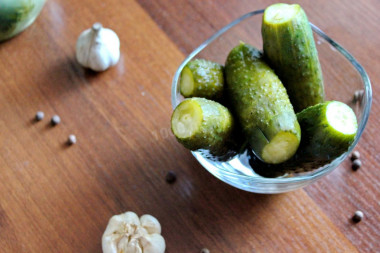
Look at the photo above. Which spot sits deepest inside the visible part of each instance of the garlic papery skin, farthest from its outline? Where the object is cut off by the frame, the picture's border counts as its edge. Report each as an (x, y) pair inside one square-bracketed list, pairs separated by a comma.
[(98, 48), (127, 233)]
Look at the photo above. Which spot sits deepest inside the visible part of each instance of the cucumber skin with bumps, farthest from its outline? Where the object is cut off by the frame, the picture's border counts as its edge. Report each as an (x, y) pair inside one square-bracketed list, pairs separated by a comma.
[(208, 78), (258, 98), (320, 144), (290, 49), (215, 130), (319, 141)]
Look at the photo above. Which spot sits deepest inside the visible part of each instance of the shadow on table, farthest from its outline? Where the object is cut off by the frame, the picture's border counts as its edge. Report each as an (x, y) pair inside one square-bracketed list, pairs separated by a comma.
[(199, 204), (66, 75)]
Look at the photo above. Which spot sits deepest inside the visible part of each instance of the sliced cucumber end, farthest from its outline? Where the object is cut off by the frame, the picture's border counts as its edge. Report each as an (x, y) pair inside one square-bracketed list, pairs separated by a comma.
[(187, 119), (280, 13), (186, 82), (341, 118), (281, 148)]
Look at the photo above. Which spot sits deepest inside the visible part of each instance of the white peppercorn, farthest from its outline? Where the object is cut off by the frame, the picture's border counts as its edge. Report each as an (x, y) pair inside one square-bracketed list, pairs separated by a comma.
[(55, 120), (355, 155), (356, 164), (40, 115), (72, 139)]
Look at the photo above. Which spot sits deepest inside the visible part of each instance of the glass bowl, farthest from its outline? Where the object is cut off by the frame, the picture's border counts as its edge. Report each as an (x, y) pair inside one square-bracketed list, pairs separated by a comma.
[(17, 15), (343, 77)]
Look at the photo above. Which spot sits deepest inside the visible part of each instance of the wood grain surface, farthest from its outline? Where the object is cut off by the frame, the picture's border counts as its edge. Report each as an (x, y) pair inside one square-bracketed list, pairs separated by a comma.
[(59, 198)]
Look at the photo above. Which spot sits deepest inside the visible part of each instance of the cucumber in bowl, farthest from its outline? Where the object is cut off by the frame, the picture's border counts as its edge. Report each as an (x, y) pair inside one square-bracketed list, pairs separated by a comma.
[(205, 125), (261, 105), (328, 129), (202, 78), (290, 50)]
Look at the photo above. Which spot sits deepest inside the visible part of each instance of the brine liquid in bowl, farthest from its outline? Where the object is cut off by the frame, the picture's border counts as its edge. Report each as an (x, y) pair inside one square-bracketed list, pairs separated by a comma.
[(343, 77)]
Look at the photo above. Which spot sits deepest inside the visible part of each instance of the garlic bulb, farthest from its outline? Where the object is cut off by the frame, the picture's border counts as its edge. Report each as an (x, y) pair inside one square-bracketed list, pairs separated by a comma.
[(127, 233), (98, 48)]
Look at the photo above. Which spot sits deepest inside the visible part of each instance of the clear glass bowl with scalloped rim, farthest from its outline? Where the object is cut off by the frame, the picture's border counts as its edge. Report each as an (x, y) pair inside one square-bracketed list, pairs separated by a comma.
[(343, 76)]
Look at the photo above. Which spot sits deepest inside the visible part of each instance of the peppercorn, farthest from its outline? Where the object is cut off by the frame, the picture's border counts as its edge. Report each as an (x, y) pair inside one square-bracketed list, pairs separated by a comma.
[(72, 139), (40, 115), (55, 120), (358, 216), (356, 164), (171, 177), (355, 155)]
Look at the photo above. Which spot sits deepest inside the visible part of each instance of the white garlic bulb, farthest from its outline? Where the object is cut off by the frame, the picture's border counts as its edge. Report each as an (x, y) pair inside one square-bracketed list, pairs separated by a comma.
[(127, 233), (98, 48)]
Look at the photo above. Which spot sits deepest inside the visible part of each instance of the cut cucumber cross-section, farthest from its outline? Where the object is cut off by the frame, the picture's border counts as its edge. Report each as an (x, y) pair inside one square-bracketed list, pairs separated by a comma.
[(202, 78), (328, 130), (281, 148), (187, 119), (187, 82), (280, 13), (199, 123), (341, 118)]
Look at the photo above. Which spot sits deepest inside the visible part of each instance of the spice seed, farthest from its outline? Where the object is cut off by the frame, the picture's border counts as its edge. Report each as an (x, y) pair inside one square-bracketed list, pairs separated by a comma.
[(72, 139), (358, 216), (171, 177), (355, 155), (40, 115), (205, 250), (55, 120), (356, 164)]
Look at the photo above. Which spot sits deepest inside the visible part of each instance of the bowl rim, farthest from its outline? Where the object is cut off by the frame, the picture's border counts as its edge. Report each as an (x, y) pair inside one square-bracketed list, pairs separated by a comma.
[(324, 170)]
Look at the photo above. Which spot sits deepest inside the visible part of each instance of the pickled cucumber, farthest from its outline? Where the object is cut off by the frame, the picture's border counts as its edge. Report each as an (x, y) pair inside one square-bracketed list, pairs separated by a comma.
[(261, 105), (328, 130), (290, 50), (14, 14), (199, 123), (202, 78)]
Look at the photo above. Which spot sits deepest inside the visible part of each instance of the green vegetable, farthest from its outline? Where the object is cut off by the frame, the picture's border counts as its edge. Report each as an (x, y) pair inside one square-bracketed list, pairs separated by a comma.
[(328, 130), (290, 49), (202, 78), (199, 123), (16, 15), (261, 105)]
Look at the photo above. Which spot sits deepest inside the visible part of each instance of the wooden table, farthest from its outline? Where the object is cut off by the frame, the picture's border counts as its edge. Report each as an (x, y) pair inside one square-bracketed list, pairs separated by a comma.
[(55, 198)]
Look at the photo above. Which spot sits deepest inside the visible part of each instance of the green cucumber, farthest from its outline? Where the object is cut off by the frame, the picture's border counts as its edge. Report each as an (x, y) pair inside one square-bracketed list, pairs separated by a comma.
[(199, 123), (202, 78), (290, 50), (11, 14), (16, 15), (261, 104), (328, 130)]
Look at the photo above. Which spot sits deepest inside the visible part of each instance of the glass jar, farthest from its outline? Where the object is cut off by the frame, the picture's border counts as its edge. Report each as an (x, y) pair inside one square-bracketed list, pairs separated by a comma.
[(17, 15)]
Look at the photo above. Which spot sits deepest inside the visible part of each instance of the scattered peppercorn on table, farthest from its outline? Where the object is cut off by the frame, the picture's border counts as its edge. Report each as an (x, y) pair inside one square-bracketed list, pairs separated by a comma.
[(56, 197)]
